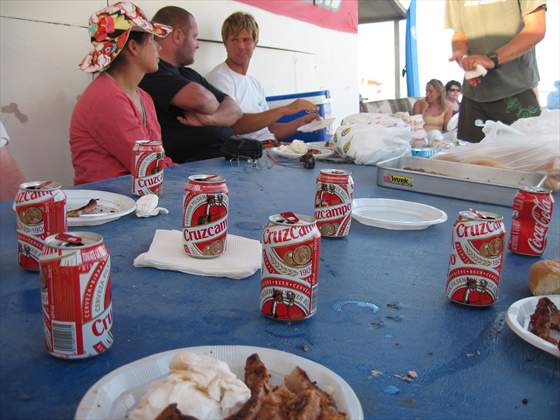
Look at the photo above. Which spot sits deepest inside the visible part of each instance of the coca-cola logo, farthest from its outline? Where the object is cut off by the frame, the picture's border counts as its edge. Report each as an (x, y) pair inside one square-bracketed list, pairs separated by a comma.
[(288, 234), (479, 229), (542, 215)]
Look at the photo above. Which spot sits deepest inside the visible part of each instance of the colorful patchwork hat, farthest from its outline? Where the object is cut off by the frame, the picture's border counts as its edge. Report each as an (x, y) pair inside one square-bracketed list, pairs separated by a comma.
[(109, 29)]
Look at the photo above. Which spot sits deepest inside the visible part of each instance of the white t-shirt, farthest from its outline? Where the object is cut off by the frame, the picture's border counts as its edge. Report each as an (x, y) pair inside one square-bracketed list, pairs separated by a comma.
[(247, 92)]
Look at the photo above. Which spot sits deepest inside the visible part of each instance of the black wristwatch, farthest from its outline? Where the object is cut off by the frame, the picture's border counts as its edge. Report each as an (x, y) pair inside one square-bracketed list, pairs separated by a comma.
[(494, 57)]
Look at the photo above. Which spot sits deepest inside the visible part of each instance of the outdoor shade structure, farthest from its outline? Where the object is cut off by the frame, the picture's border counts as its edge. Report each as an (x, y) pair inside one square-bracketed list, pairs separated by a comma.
[(374, 11)]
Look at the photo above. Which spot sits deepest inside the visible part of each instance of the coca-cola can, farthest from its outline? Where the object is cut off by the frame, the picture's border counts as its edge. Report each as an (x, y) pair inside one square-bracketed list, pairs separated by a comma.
[(147, 167), (333, 202), (477, 257), (205, 216), (532, 214), (290, 267), (76, 295), (40, 211)]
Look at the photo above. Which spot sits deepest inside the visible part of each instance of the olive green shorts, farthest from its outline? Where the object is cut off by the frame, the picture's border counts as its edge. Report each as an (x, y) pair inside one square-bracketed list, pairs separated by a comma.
[(508, 110)]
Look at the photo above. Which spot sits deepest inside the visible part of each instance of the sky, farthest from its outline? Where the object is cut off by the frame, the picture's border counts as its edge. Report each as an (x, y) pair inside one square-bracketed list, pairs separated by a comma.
[(376, 51)]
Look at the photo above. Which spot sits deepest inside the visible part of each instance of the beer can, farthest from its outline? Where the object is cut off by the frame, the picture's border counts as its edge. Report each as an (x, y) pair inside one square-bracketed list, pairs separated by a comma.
[(205, 216), (290, 267), (40, 211), (333, 202), (147, 167), (477, 257), (76, 295), (532, 214)]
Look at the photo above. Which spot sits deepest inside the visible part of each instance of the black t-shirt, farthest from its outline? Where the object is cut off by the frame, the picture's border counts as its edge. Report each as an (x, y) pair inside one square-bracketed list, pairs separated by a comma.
[(183, 143)]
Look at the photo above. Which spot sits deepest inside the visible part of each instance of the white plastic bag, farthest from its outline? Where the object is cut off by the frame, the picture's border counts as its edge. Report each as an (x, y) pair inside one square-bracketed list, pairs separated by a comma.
[(529, 144), (367, 144)]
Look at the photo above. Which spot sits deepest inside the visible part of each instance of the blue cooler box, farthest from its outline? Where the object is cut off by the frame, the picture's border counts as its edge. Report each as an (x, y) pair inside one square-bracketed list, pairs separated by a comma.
[(321, 98)]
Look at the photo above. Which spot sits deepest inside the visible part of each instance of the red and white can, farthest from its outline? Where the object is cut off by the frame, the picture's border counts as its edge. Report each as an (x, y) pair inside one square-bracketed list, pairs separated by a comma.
[(76, 295), (532, 214), (147, 167), (477, 258), (40, 211), (290, 267), (205, 216), (333, 202)]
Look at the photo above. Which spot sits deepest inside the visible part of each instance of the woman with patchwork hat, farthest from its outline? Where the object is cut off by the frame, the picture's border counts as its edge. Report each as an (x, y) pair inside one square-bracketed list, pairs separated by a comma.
[(113, 112)]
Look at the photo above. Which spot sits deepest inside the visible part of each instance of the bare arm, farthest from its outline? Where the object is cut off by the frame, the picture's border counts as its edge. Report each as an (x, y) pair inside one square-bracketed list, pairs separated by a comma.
[(196, 98), (447, 116), (226, 116), (459, 46), (254, 122), (283, 130), (419, 107), (531, 34)]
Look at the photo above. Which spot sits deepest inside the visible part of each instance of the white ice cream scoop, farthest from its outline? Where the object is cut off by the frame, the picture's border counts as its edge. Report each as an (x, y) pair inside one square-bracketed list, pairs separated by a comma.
[(147, 206)]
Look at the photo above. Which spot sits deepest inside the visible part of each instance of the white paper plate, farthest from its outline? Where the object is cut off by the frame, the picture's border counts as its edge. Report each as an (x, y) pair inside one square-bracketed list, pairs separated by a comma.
[(396, 214), (316, 125), (117, 392), (284, 152), (110, 206), (519, 315)]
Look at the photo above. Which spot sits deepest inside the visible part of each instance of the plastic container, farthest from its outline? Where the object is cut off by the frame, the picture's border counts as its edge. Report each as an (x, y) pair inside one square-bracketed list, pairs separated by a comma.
[(321, 98)]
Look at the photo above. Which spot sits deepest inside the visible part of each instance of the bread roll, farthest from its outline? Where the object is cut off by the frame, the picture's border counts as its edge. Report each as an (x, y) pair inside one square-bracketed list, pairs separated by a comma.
[(544, 277)]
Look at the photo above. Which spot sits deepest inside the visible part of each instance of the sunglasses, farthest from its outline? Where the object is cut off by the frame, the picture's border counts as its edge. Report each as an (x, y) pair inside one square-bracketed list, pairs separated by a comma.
[(454, 90)]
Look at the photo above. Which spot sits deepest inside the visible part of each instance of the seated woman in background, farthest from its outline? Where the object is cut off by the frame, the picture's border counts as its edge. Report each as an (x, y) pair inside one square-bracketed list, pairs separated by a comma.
[(113, 112), (435, 110), (452, 92)]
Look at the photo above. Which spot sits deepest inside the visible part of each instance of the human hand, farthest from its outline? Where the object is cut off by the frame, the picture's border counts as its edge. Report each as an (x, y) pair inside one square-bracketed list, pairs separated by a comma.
[(469, 62), (307, 118), (301, 105), (194, 119), (457, 57)]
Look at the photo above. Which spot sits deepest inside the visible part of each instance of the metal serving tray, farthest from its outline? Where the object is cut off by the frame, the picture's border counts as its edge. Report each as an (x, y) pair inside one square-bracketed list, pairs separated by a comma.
[(452, 179)]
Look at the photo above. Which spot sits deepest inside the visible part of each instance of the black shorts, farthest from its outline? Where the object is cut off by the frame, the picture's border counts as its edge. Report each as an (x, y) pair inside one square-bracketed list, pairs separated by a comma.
[(508, 110)]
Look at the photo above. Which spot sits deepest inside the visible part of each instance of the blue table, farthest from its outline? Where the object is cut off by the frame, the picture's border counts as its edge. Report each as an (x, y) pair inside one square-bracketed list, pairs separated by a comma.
[(469, 363)]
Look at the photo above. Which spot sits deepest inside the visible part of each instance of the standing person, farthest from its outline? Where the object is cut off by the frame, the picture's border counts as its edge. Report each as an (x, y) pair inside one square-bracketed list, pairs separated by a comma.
[(113, 113), (195, 116), (501, 36), (240, 34), (452, 92), (435, 110)]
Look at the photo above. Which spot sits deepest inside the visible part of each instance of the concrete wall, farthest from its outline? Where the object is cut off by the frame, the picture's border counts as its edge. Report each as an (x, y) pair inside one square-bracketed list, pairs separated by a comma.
[(42, 42)]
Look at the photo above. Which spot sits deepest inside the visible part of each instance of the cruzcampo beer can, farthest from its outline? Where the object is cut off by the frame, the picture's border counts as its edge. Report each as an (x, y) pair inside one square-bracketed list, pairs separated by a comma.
[(40, 211), (477, 258), (147, 167), (205, 216), (76, 295), (333, 202), (290, 267)]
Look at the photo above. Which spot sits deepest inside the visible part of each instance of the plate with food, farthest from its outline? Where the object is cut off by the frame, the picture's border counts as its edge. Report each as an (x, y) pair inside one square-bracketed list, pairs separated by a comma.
[(91, 207), (211, 382), (298, 148), (536, 320), (396, 214)]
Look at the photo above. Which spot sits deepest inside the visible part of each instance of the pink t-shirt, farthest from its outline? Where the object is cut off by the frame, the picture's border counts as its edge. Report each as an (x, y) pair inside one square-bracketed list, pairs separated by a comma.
[(105, 125)]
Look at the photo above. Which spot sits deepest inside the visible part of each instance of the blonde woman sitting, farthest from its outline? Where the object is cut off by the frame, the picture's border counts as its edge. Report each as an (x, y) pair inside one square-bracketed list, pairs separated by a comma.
[(434, 108)]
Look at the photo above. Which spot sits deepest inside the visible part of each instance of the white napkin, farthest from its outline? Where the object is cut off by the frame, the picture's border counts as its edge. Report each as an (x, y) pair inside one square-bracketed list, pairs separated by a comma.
[(316, 125), (146, 206), (242, 257), (479, 71)]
